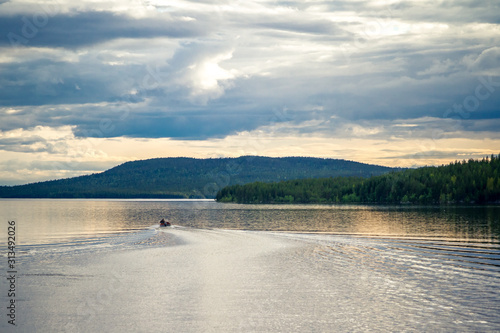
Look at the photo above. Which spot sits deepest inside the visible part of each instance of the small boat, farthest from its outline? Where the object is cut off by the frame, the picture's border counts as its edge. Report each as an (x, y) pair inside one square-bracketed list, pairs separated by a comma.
[(165, 224)]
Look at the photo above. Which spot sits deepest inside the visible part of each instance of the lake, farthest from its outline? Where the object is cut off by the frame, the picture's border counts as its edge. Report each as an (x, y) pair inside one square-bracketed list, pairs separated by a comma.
[(87, 265)]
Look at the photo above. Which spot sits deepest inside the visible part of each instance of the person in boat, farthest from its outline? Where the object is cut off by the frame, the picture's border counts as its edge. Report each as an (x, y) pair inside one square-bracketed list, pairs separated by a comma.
[(164, 223)]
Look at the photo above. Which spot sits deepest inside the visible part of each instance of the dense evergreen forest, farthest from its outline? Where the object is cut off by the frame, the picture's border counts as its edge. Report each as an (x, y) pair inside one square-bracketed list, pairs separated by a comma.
[(472, 181), (188, 177)]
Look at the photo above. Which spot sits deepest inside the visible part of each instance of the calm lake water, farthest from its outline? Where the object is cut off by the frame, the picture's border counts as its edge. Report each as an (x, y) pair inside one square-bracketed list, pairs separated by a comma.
[(247, 268), (52, 221)]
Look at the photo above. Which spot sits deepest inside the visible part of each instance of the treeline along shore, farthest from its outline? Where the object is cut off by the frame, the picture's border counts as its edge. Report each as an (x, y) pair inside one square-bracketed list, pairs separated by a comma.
[(461, 182)]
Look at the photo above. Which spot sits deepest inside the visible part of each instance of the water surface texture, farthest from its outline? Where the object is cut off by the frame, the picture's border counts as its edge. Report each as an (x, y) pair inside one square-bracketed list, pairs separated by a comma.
[(104, 265)]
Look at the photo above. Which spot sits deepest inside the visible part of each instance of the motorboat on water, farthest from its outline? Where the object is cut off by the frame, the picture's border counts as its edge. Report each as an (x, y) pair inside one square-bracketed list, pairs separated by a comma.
[(164, 223)]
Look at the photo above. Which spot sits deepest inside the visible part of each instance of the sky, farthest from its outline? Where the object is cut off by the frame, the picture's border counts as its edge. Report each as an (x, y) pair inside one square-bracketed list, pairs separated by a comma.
[(87, 85)]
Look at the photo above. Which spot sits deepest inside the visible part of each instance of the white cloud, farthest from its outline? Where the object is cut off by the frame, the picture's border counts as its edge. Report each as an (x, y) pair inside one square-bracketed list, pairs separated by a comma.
[(207, 79), (56, 141), (439, 67), (488, 62)]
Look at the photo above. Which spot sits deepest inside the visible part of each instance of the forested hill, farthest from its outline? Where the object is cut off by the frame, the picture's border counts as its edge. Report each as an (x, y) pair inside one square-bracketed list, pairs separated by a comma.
[(460, 182), (188, 177)]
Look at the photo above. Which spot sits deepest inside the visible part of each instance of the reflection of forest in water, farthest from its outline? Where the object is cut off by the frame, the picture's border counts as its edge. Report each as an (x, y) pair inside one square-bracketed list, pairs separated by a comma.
[(451, 222)]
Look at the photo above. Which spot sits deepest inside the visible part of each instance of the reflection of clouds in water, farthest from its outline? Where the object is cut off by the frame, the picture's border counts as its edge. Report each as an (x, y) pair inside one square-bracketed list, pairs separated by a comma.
[(250, 281), (422, 278)]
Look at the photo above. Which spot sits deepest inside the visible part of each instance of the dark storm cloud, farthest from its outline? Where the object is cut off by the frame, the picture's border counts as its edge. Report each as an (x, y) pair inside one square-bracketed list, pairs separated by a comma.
[(114, 120), (384, 78), (179, 125), (84, 29), (45, 81)]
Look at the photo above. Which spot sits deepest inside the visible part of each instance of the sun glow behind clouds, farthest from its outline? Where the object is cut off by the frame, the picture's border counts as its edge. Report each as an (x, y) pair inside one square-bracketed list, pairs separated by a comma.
[(208, 75)]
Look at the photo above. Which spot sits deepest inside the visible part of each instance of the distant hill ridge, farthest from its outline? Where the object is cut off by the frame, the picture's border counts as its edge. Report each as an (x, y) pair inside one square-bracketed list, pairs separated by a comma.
[(183, 177)]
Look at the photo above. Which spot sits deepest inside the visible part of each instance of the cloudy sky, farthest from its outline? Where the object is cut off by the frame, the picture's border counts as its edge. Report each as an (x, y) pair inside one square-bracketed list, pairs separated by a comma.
[(87, 85)]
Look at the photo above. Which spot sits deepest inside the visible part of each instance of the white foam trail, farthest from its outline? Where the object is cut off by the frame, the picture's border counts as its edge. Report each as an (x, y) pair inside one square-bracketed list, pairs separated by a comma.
[(196, 280)]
